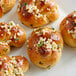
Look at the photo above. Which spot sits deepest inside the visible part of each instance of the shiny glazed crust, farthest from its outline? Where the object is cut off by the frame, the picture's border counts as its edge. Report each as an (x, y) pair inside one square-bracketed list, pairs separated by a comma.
[(11, 35), (68, 29), (47, 53), (6, 5), (13, 66), (36, 13)]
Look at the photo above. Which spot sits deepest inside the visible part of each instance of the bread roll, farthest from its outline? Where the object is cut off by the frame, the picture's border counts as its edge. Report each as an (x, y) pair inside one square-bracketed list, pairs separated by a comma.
[(68, 29), (13, 66), (45, 47), (6, 5), (36, 13), (11, 35)]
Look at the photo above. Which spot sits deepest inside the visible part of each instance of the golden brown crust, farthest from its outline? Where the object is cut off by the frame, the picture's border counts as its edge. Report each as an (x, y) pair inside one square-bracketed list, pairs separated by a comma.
[(25, 65), (1, 10), (41, 46), (36, 13), (14, 65), (20, 39), (67, 28), (2, 74), (4, 48), (6, 5), (11, 35)]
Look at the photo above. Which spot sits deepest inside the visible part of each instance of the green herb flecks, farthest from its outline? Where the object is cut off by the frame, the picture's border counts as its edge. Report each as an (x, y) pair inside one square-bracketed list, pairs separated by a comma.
[(11, 23), (41, 44), (2, 24), (74, 11), (40, 63), (21, 6), (37, 14), (38, 29), (67, 19), (31, 25), (3, 5), (74, 24), (48, 67), (5, 50), (25, 3), (44, 0), (52, 28), (35, 2), (16, 39), (29, 48)]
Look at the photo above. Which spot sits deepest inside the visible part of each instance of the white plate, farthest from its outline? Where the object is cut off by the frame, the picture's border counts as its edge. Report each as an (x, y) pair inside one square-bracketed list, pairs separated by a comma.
[(67, 64)]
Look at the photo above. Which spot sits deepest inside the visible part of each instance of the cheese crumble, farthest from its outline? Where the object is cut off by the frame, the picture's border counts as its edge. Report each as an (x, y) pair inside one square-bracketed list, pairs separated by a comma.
[(8, 28), (43, 31), (12, 69), (73, 32), (49, 43), (31, 9)]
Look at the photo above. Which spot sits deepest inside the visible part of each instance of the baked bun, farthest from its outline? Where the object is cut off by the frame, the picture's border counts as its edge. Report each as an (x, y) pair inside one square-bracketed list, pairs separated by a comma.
[(13, 66), (68, 29), (6, 5), (11, 35), (4, 48), (36, 13), (44, 47)]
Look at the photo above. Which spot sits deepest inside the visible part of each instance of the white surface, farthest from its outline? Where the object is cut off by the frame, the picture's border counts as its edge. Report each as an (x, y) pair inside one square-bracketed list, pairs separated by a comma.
[(67, 64)]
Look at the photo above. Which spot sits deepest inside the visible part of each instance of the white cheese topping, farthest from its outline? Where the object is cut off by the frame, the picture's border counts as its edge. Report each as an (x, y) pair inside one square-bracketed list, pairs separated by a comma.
[(54, 46), (48, 43), (74, 15), (43, 31), (38, 15), (13, 69), (31, 8), (8, 28), (3, 43), (67, 21), (73, 32), (0, 62), (48, 9), (12, 23)]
